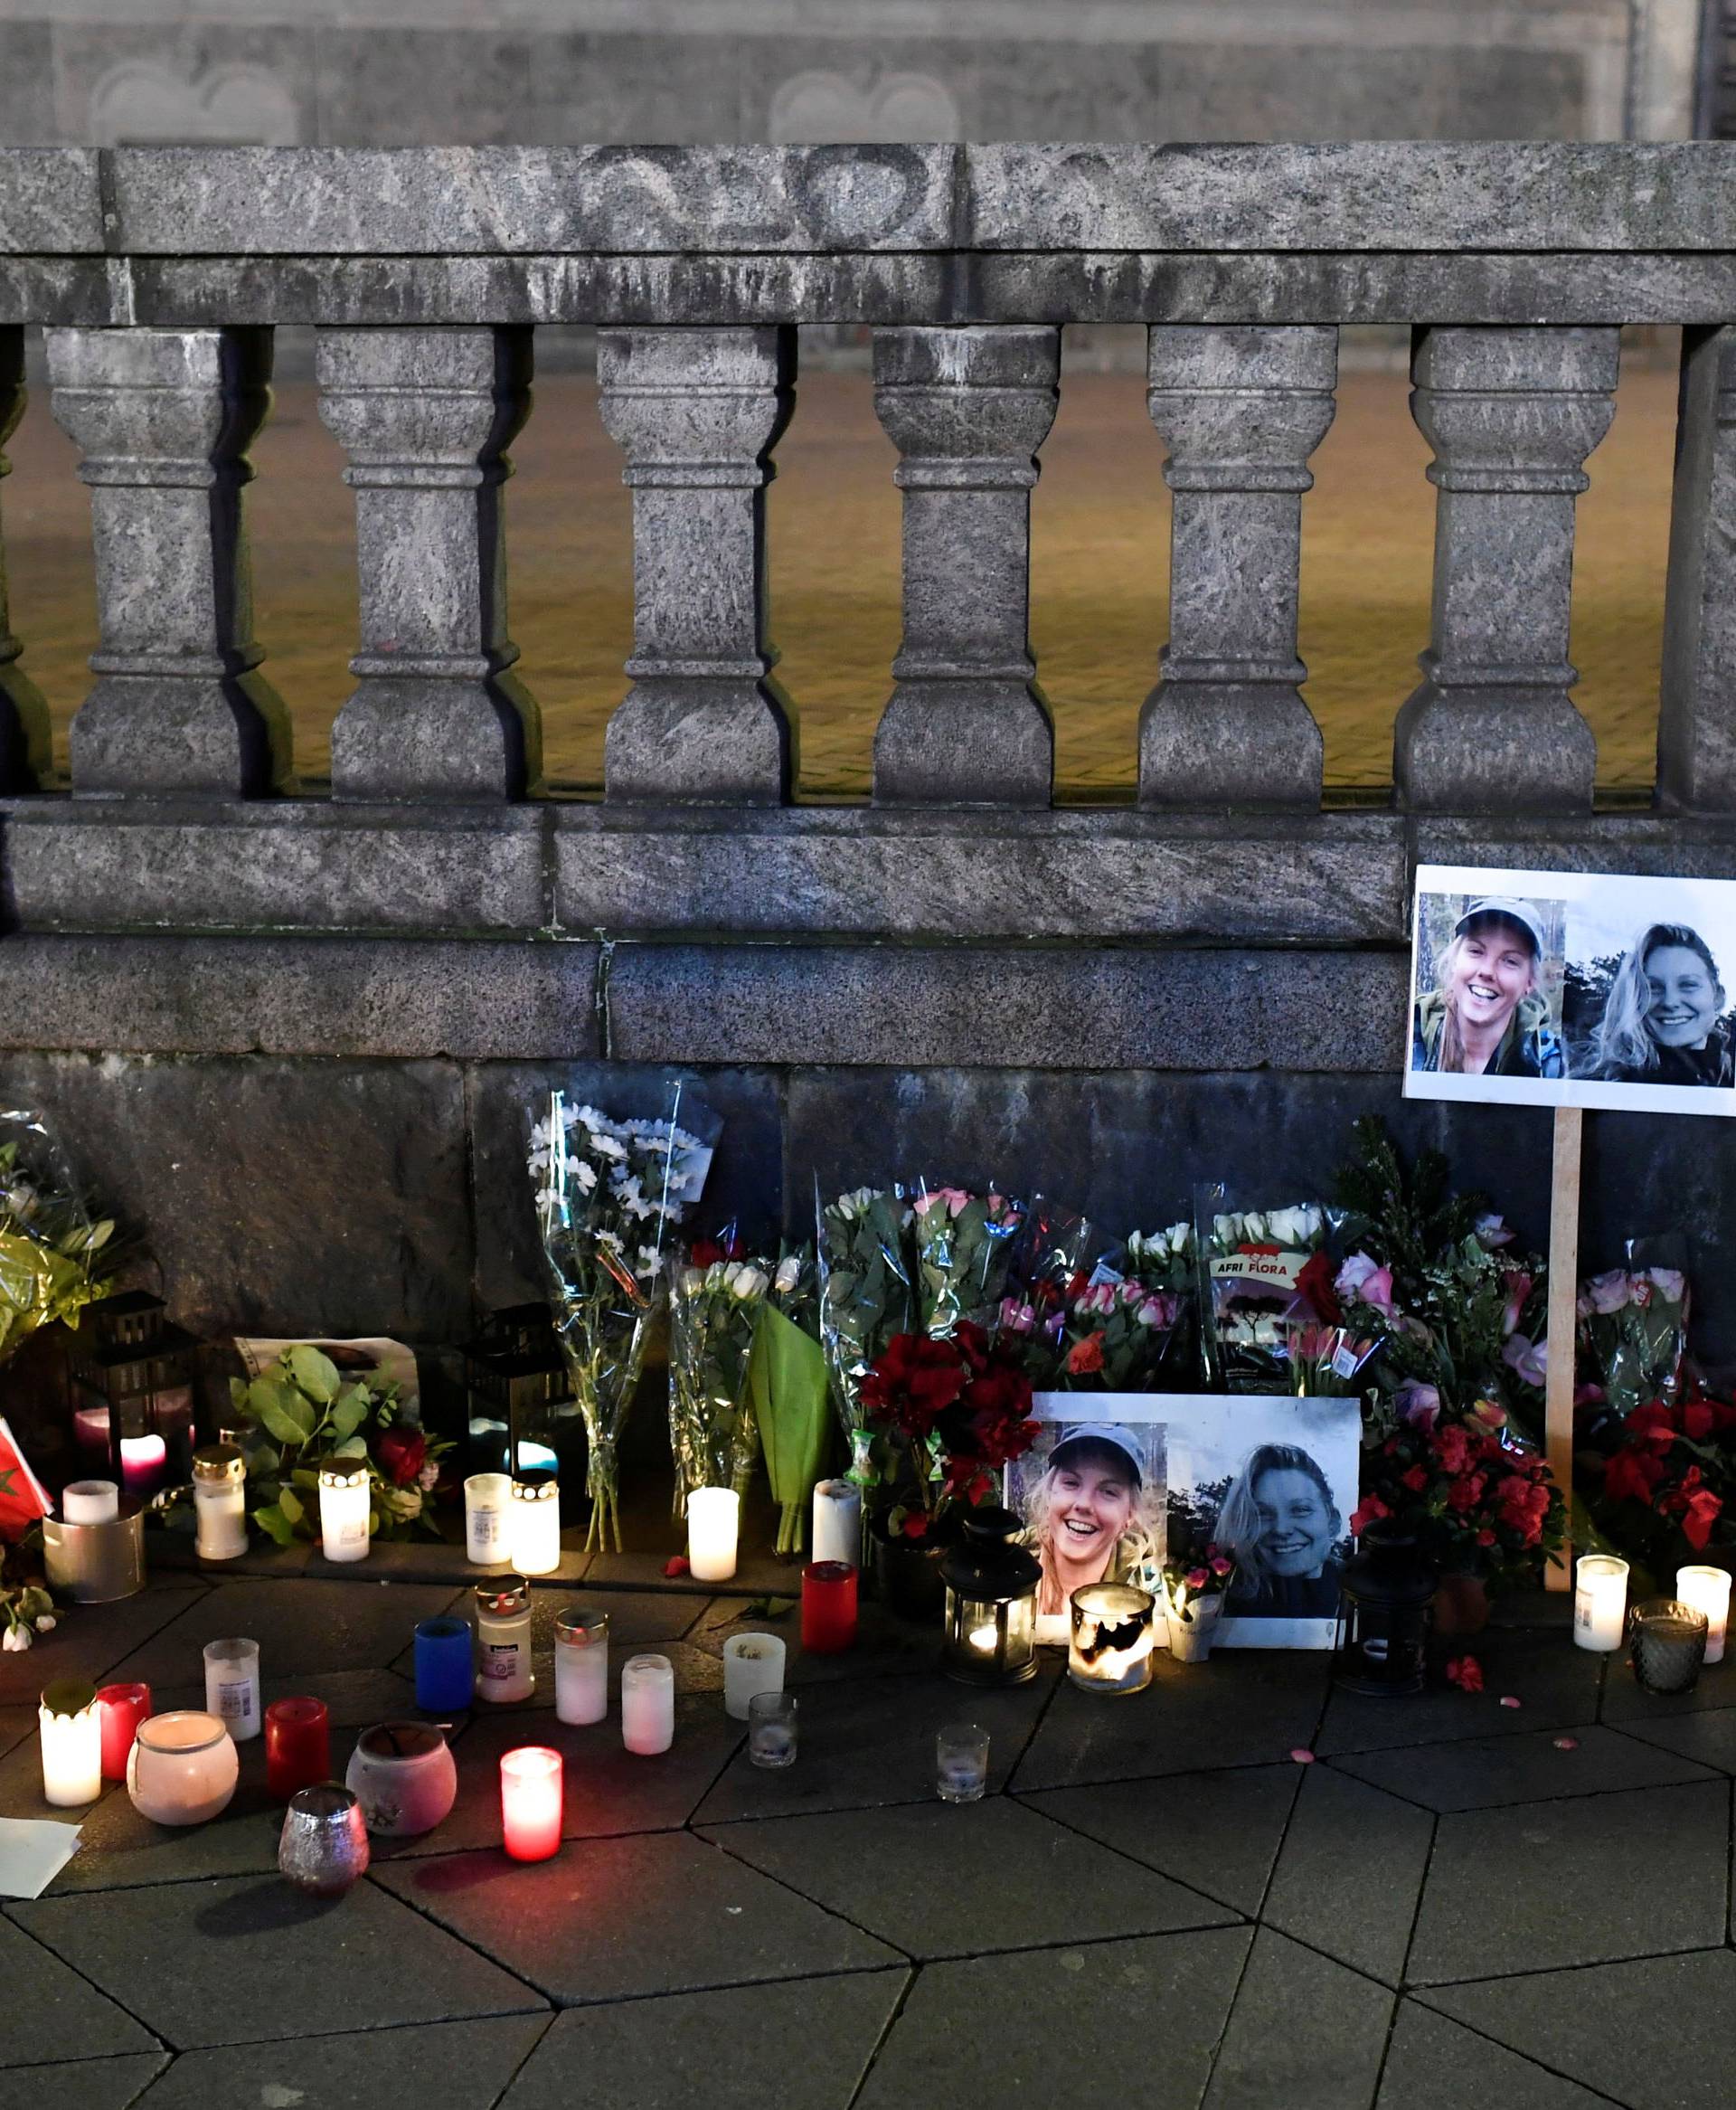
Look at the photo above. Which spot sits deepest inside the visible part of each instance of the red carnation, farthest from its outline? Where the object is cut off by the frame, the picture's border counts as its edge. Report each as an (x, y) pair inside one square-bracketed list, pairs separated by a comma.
[(1369, 1511), (1633, 1473), (402, 1452), (1466, 1673), (1702, 1512)]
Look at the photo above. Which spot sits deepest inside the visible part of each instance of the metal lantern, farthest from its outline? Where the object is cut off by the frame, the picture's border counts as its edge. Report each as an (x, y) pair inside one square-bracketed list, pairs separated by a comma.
[(991, 1615), (522, 1417), (1386, 1599), (132, 1378)]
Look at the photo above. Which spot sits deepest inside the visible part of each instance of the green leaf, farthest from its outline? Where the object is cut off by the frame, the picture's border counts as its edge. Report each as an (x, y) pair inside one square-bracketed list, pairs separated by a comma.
[(352, 1447), (238, 1397), (304, 1476), (348, 1415), (275, 1524), (317, 1374), (285, 1413), (291, 1505)]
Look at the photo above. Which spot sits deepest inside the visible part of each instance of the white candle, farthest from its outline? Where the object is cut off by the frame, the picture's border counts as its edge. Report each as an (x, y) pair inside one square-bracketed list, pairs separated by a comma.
[(90, 1501), (486, 1496), (503, 1671), (533, 1534), (714, 1514), (343, 1506), (1707, 1589), (752, 1662), (647, 1704), (581, 1665), (838, 1521), (72, 1729), (232, 1685), (1599, 1600), (220, 1503)]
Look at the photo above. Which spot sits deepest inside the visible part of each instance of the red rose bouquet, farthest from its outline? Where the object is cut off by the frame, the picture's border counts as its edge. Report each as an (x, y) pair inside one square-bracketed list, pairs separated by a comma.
[(947, 1416), (1658, 1482), (1479, 1500)]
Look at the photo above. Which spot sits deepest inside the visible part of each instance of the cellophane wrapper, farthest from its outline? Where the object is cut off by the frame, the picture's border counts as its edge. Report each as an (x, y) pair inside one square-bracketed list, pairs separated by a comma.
[(1633, 1327), (963, 1252), (864, 1260), (1266, 1288), (51, 1243), (608, 1192), (714, 1312)]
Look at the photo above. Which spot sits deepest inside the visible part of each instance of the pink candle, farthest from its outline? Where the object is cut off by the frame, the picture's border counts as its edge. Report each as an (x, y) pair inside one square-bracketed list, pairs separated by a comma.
[(91, 1432), (530, 1801), (142, 1462), (120, 1708)]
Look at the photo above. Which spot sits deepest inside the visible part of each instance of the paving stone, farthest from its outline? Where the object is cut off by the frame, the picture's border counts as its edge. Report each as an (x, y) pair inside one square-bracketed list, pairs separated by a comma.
[(1432, 2064), (1482, 1773), (869, 1742), (1555, 1683), (759, 1572), (1096, 2027), (246, 1961), (1322, 1890), (1304, 2034), (886, 1645), (804, 2045), (1709, 1738), (463, 2066), (608, 1790), (958, 1881), (16, 1723), (90, 1640), (21, 1786), (618, 1918), (1625, 1699), (1245, 1707), (118, 1849), (1657, 2034), (429, 1560), (301, 1625), (49, 2009), (1217, 1833), (1582, 1881), (82, 2084)]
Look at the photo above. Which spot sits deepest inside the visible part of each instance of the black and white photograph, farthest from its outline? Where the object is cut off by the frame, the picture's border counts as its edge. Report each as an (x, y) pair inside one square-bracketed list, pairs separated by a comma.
[(1565, 988), (1272, 1482), (1091, 1490)]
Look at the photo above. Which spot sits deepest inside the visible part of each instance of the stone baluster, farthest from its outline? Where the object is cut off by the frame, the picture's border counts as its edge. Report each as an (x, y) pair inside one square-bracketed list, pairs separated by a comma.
[(697, 412), (968, 409), (24, 715), (1511, 415), (164, 418), (1696, 726), (1240, 410), (425, 417)]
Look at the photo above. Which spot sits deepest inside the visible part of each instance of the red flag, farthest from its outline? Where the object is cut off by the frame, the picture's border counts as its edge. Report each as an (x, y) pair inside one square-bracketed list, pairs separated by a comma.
[(23, 1497)]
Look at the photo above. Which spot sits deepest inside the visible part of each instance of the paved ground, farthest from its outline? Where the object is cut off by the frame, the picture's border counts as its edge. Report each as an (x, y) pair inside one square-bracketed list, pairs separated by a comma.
[(1460, 1904), (1099, 572)]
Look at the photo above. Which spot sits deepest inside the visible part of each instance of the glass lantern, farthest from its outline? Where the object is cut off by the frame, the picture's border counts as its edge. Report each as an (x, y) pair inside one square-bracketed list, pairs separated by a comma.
[(1386, 1599), (131, 1376), (523, 1416), (991, 1615)]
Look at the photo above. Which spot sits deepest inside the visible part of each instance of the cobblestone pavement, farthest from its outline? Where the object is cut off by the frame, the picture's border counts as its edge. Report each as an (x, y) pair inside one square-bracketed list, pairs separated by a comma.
[(1458, 1903)]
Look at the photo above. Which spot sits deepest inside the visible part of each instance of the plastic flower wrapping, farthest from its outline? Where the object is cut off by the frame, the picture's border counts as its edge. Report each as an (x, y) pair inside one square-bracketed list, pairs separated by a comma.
[(1267, 1291), (1080, 1324), (866, 1297), (963, 1252), (714, 1302), (50, 1244), (1632, 1330), (607, 1193)]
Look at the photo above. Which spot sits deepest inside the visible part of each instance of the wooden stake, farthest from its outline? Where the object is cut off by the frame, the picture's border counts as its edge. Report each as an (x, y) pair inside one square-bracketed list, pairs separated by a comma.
[(1564, 1319)]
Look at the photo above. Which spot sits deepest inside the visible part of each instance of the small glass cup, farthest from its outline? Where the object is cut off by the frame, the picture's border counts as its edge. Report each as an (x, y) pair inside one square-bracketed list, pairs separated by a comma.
[(1668, 1640), (771, 1729), (961, 1763)]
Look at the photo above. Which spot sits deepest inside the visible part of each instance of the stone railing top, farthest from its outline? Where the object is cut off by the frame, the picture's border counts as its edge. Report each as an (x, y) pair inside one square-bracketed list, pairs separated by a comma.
[(1391, 196)]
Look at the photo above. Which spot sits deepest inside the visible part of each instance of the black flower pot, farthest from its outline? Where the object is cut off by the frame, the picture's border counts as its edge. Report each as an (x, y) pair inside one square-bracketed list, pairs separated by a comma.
[(907, 1576)]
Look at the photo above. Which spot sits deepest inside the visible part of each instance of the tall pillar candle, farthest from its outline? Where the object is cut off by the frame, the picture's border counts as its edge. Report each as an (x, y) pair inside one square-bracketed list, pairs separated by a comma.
[(713, 1519), (752, 1662), (828, 1607), (485, 1496), (71, 1733), (344, 1504), (220, 1503), (580, 1664), (838, 1521), (1600, 1602), (298, 1745), (530, 1801), (648, 1704), (1707, 1589), (232, 1685), (534, 1535), (120, 1708)]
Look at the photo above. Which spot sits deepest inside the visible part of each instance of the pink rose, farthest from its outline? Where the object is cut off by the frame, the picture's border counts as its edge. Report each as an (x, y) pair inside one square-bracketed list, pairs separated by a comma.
[(1528, 1361), (1608, 1292), (1361, 1279), (1518, 1289), (1492, 1232), (1669, 1282), (1196, 1578), (1416, 1403)]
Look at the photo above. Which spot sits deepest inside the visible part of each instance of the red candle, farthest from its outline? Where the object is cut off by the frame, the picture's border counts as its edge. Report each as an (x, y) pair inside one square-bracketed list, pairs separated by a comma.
[(828, 1607), (120, 1708), (298, 1745), (530, 1801)]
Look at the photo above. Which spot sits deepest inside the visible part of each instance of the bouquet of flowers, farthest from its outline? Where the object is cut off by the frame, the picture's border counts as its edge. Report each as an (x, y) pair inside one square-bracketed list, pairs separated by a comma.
[(787, 1387), (1115, 1336), (607, 1191), (1633, 1334), (1657, 1482), (1188, 1576), (303, 1410), (49, 1241), (1268, 1280), (1165, 1264), (863, 1257), (714, 1313), (1479, 1500), (949, 1415), (964, 1250)]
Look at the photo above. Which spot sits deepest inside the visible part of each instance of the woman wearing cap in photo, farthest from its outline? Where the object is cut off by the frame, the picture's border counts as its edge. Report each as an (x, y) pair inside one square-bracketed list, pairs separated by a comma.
[(1486, 1016), (1663, 1022), (1086, 1515), (1279, 1522)]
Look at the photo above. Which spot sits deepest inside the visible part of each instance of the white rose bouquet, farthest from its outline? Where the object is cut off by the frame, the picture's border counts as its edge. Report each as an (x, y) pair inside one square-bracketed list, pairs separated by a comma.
[(1268, 1290), (714, 1305)]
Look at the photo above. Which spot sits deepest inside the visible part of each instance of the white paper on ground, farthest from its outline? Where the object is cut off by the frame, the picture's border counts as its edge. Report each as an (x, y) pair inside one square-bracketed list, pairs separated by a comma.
[(33, 1852)]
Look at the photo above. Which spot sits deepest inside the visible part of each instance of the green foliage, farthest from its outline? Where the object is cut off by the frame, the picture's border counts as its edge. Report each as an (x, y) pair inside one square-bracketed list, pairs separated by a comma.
[(1402, 1219)]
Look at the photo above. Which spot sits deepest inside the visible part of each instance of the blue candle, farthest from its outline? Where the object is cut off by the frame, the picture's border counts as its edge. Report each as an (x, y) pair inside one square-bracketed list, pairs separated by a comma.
[(444, 1668)]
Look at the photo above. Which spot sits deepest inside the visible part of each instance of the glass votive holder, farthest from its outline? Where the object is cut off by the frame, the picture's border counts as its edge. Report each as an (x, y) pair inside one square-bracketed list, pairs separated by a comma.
[(961, 1763), (298, 1745), (1112, 1630), (323, 1848), (1668, 1640), (771, 1729)]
